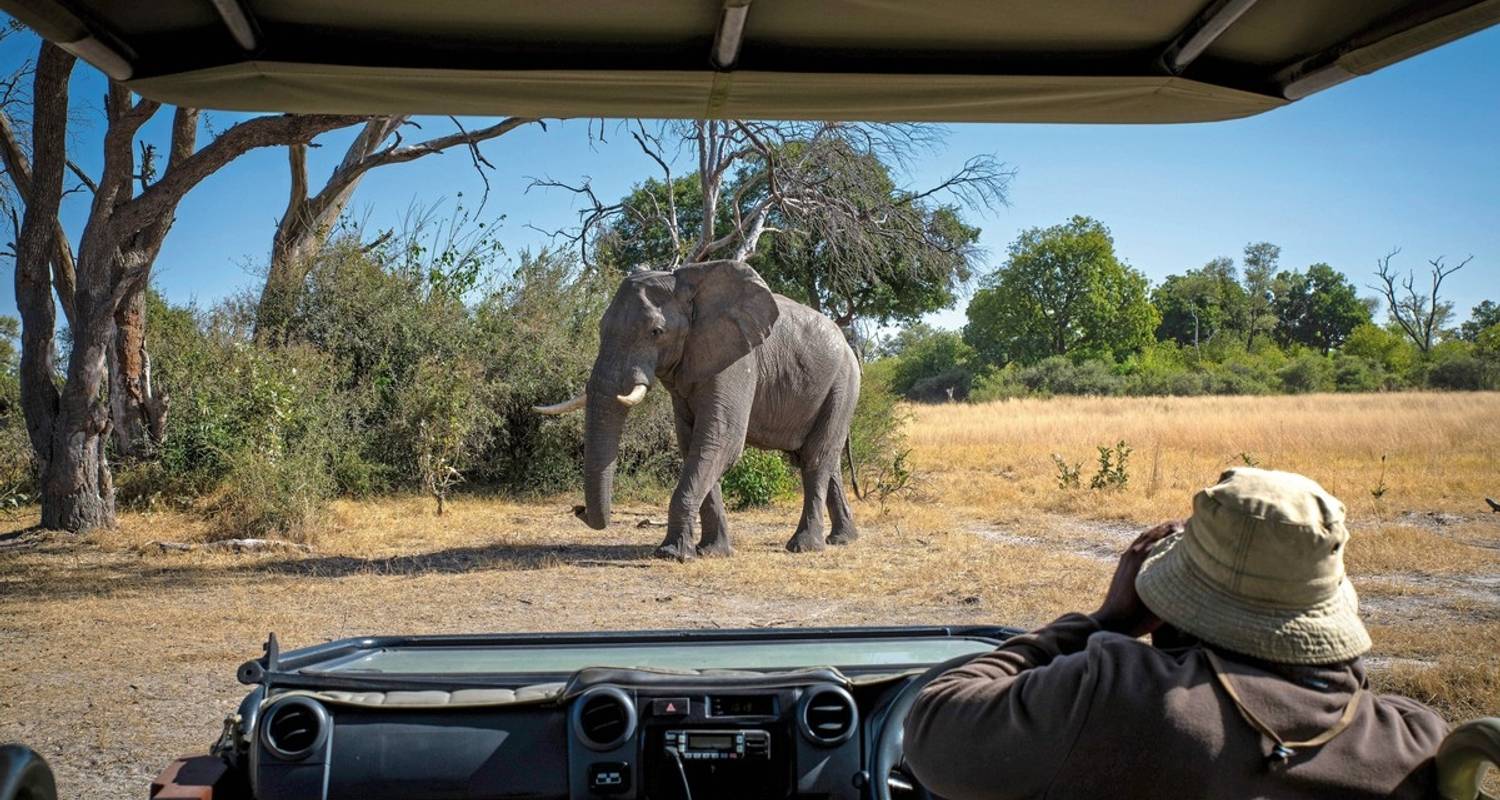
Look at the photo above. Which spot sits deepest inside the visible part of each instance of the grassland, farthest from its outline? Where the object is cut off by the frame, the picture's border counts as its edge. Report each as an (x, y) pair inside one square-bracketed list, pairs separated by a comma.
[(116, 656)]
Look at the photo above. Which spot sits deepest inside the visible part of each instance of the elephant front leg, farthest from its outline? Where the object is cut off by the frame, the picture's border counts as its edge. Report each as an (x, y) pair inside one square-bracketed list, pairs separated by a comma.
[(678, 545), (715, 522)]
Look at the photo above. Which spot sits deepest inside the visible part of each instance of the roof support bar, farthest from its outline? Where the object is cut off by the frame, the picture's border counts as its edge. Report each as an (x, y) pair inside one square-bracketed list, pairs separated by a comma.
[(236, 21), (1208, 26), (731, 31), (1315, 81), (107, 59)]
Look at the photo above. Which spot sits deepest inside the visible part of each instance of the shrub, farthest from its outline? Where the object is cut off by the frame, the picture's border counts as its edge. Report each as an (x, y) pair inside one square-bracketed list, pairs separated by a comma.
[(953, 384), (266, 494), (1000, 384), (16, 470), (927, 363), (877, 434), (536, 336), (1114, 470), (1395, 354), (1307, 372), (1058, 375), (1357, 374), (759, 477), (1454, 365)]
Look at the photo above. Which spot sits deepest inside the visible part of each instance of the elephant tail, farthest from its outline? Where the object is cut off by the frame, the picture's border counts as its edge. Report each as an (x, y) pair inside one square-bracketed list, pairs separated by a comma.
[(853, 470)]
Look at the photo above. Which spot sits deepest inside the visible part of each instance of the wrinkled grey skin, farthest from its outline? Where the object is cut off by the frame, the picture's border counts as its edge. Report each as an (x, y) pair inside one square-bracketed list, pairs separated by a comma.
[(742, 365)]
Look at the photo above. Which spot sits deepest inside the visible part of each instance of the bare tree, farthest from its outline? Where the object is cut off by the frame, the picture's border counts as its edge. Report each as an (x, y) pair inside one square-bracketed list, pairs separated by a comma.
[(70, 427), (309, 217), (760, 177), (1420, 315)]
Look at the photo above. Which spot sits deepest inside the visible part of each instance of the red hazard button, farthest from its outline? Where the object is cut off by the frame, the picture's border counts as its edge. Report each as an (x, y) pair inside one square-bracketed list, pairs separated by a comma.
[(671, 706)]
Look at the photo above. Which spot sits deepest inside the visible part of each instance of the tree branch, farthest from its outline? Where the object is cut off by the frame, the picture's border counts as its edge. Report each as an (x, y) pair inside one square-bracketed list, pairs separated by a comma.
[(245, 136)]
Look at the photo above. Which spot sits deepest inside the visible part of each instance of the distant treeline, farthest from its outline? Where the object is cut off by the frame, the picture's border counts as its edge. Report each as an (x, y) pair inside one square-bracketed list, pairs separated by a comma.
[(1063, 315)]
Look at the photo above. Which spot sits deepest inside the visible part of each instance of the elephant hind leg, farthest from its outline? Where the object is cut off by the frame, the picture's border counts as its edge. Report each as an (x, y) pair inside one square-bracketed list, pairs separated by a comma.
[(844, 531), (715, 523), (809, 535)]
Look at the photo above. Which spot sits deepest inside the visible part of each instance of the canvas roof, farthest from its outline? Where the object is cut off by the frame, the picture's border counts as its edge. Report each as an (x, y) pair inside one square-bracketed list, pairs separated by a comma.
[(875, 60)]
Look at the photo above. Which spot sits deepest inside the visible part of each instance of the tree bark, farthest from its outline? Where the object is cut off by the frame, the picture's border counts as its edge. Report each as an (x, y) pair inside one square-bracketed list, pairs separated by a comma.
[(35, 246), (137, 413)]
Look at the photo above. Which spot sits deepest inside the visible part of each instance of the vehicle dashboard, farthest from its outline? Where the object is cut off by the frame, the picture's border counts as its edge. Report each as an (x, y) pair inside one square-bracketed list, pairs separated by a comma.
[(778, 713)]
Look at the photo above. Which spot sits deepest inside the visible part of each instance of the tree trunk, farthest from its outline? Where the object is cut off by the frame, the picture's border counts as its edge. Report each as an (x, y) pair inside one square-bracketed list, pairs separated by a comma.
[(298, 239), (138, 413), (35, 248), (77, 491)]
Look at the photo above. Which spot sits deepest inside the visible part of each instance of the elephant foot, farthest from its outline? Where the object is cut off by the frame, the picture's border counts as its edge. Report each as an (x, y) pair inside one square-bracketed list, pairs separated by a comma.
[(676, 551), (805, 542), (845, 536), (715, 549)]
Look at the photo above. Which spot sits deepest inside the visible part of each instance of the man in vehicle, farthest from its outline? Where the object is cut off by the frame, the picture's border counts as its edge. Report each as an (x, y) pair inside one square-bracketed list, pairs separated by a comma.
[(1253, 687)]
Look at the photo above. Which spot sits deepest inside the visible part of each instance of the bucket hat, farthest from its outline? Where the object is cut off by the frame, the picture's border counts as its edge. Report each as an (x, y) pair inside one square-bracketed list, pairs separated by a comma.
[(1259, 569)]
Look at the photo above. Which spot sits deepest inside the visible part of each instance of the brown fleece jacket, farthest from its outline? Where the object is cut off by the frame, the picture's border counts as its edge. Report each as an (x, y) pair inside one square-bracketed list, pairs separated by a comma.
[(1069, 711)]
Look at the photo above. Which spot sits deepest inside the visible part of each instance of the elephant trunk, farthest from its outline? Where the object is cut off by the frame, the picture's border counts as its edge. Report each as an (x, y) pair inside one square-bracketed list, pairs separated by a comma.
[(603, 423)]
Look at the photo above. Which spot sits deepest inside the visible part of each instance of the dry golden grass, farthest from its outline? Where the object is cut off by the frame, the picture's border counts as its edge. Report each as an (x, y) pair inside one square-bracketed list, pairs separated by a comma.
[(1441, 450), (115, 657)]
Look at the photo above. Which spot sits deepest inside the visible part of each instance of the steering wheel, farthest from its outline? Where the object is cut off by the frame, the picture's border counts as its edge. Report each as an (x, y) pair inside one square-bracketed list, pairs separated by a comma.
[(888, 770), (24, 775)]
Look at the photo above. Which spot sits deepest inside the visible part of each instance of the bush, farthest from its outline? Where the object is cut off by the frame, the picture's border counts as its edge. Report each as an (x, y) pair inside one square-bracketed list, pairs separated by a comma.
[(949, 385), (265, 494), (877, 434), (1395, 354), (927, 363), (1000, 384), (1307, 372), (1357, 374), (1454, 365), (16, 470), (230, 397), (1058, 375), (759, 477), (537, 335)]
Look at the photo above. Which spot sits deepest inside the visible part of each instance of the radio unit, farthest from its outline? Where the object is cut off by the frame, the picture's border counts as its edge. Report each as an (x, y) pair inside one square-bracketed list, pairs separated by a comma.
[(719, 745)]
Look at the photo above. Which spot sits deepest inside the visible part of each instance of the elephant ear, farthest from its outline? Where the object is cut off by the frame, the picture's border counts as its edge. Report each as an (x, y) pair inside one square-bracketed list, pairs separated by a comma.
[(732, 309)]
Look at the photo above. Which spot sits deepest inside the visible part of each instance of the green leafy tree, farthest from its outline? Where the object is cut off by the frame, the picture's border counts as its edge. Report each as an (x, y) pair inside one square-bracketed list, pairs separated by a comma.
[(907, 256), (1062, 291), (1261, 260), (929, 362), (1200, 305), (880, 253), (1486, 315), (1318, 308), (1391, 350)]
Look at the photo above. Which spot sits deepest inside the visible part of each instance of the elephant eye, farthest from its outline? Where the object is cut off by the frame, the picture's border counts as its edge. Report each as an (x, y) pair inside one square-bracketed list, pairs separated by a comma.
[(657, 331)]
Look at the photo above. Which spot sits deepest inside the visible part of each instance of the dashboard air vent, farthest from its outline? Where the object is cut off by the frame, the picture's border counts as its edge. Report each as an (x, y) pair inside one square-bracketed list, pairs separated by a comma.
[(604, 718), (827, 715), (294, 728)]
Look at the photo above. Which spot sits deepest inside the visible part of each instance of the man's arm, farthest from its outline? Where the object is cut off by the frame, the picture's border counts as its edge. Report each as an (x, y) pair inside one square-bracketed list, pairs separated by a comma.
[(998, 726), (1003, 724)]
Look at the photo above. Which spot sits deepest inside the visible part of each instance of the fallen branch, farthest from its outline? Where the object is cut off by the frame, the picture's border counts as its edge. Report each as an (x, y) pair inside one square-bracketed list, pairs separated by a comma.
[(234, 546)]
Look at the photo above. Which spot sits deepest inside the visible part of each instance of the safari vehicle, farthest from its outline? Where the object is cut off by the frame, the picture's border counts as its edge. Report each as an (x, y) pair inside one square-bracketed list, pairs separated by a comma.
[(690, 713)]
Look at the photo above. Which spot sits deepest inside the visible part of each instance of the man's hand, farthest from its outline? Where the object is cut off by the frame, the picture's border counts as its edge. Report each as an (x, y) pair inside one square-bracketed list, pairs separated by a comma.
[(1122, 610)]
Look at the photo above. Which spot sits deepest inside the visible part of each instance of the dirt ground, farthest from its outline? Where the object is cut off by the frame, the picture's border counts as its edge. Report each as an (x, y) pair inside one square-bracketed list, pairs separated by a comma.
[(116, 656)]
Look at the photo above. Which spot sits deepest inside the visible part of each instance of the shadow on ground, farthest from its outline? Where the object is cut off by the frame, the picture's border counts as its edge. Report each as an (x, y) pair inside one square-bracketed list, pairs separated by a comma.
[(37, 564)]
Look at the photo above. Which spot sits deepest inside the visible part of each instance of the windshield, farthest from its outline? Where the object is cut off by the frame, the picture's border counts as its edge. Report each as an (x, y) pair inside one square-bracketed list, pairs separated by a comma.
[(898, 653)]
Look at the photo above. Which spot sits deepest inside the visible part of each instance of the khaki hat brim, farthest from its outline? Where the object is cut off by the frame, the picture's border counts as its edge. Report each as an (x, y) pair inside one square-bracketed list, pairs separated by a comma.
[(1177, 592)]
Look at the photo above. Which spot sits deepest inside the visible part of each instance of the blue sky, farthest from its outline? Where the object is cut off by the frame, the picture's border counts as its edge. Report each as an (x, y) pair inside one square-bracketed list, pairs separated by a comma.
[(1406, 157)]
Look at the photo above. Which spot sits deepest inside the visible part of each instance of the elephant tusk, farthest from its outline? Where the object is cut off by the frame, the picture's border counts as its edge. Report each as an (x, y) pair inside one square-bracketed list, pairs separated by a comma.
[(564, 407), (636, 395)]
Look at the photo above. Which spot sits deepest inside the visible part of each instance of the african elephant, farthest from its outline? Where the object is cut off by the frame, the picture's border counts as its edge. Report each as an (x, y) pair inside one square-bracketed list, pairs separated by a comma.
[(743, 365)]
